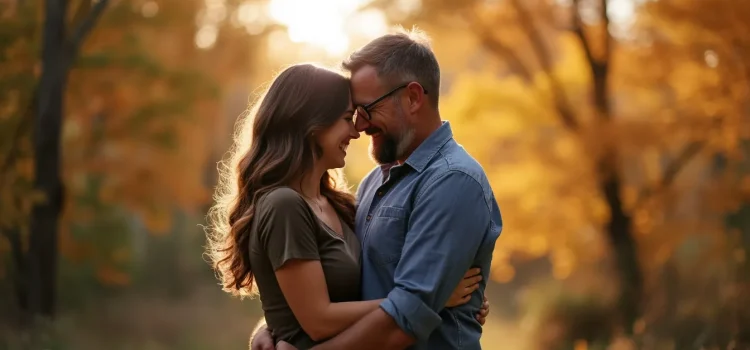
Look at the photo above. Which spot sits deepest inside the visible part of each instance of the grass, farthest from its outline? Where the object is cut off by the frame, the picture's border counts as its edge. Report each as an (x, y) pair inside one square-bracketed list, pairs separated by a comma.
[(202, 320)]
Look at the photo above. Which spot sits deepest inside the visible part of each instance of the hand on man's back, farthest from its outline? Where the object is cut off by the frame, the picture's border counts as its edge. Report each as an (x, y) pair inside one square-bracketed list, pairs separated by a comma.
[(262, 339)]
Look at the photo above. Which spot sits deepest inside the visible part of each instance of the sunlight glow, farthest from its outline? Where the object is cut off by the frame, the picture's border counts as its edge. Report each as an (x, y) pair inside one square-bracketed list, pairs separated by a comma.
[(326, 24), (622, 11), (149, 9), (622, 17), (208, 21), (206, 36), (711, 58), (253, 16)]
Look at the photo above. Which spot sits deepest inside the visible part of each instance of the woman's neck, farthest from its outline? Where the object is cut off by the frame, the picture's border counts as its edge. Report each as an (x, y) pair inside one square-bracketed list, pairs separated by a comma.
[(309, 184)]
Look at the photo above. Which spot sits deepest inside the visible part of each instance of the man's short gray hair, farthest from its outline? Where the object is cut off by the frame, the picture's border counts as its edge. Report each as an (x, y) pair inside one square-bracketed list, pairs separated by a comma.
[(400, 58)]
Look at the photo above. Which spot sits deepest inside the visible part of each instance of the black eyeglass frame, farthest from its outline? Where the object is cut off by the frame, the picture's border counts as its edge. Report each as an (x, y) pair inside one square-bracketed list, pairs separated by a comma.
[(366, 108)]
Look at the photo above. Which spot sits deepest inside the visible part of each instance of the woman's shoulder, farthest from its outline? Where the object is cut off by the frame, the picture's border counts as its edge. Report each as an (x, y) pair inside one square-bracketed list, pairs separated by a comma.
[(282, 195), (281, 199), (283, 210)]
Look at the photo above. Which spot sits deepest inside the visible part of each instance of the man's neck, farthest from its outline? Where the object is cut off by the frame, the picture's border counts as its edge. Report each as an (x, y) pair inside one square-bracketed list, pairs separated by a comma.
[(421, 133)]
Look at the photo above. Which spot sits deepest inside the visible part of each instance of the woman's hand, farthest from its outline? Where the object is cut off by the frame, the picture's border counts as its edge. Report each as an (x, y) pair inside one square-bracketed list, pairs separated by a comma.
[(262, 339), (462, 294), (483, 311)]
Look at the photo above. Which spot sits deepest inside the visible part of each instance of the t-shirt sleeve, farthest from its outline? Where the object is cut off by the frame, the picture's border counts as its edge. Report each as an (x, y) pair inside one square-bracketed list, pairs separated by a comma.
[(286, 227)]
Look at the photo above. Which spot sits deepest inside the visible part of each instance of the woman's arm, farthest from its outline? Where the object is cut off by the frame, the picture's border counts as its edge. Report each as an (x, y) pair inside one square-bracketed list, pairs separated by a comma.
[(287, 234), (304, 286)]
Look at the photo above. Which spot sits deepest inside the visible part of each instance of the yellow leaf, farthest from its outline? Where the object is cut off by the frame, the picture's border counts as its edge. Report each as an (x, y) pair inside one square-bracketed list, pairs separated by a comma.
[(158, 222), (108, 275)]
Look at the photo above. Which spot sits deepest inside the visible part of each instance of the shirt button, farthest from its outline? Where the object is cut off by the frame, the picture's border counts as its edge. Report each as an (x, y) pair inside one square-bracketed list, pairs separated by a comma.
[(369, 217), (380, 193)]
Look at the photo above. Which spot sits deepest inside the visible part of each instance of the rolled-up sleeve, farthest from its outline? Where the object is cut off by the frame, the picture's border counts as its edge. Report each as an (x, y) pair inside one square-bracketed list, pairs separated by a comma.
[(446, 228)]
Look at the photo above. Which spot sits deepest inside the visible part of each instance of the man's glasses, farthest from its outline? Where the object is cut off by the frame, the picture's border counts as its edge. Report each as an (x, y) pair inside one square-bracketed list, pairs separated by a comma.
[(364, 111)]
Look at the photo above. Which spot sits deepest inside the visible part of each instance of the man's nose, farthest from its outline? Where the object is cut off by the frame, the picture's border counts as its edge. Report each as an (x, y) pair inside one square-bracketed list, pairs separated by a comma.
[(361, 124), (353, 133)]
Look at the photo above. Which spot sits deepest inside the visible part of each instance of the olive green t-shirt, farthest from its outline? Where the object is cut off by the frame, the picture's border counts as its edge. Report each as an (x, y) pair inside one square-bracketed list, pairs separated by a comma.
[(285, 228)]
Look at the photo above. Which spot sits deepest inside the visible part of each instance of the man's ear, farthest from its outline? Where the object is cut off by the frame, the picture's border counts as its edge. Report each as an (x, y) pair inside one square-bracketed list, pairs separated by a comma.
[(416, 95)]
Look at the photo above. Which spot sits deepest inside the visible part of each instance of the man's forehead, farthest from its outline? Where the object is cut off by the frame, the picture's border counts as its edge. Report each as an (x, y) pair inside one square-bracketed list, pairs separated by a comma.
[(365, 85)]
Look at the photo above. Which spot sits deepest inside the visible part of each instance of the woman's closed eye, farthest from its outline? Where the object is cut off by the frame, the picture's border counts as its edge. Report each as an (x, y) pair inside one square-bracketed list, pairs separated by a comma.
[(349, 116)]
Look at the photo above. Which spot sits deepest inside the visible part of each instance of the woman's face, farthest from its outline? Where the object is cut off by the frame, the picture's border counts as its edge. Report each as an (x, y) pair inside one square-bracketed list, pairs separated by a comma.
[(335, 139)]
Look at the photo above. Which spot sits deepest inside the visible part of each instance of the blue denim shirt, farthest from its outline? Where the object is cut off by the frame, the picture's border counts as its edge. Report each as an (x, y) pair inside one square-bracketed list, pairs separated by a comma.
[(422, 225)]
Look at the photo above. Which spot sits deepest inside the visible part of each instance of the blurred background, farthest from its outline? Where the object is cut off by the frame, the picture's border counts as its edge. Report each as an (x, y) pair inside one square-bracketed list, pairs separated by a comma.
[(616, 135)]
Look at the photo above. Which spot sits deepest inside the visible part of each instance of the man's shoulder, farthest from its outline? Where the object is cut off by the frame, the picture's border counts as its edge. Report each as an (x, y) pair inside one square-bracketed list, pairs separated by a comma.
[(454, 159)]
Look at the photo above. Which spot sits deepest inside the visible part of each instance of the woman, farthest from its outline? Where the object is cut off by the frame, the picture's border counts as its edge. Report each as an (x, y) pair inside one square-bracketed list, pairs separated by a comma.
[(282, 224)]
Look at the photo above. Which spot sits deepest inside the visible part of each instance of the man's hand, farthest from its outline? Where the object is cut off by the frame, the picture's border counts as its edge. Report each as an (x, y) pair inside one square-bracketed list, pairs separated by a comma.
[(263, 340), (484, 311), (462, 294)]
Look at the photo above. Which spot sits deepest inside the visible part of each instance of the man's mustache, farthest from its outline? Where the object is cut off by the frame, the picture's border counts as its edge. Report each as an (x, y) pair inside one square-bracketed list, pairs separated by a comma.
[(372, 130)]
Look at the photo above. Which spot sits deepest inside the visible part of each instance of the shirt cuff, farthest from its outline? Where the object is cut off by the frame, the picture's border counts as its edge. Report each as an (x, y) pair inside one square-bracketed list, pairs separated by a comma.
[(411, 314)]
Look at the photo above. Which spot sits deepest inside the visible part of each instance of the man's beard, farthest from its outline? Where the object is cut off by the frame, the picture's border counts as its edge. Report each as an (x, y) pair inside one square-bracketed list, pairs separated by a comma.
[(387, 152), (391, 147)]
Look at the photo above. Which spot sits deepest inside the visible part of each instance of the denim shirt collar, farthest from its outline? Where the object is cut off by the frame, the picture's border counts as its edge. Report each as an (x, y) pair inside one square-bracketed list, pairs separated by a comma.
[(427, 150)]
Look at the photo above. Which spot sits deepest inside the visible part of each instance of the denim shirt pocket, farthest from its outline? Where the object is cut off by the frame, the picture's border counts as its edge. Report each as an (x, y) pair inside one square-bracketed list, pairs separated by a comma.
[(389, 228)]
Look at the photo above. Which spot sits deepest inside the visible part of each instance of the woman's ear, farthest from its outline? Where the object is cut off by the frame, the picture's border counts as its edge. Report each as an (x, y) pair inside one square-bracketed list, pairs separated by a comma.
[(317, 151)]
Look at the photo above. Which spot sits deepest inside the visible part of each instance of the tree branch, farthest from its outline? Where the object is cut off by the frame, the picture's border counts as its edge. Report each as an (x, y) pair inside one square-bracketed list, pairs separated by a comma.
[(607, 34), (86, 21), (497, 47), (599, 68), (16, 249), (81, 12), (672, 170), (686, 154), (23, 125), (83, 29), (577, 29), (18, 258), (564, 109)]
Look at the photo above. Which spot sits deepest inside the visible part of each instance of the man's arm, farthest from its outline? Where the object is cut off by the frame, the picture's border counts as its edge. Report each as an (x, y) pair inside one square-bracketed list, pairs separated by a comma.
[(446, 229)]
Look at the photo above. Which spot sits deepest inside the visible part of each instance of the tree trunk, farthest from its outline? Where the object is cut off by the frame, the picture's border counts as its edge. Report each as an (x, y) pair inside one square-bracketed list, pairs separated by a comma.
[(620, 236), (620, 225), (42, 254), (19, 264)]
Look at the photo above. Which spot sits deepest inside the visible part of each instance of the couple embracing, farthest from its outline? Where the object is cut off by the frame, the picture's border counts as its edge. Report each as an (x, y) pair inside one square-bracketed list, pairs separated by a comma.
[(404, 264)]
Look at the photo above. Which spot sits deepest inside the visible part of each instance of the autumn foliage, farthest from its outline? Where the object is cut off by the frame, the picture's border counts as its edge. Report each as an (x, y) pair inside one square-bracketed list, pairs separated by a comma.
[(616, 135)]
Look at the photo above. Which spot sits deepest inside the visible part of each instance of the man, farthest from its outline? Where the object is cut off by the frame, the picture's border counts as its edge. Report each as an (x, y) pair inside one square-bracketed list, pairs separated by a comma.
[(425, 216)]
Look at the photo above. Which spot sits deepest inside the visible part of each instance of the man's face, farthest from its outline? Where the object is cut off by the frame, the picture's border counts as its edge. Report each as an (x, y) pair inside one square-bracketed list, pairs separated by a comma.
[(387, 126)]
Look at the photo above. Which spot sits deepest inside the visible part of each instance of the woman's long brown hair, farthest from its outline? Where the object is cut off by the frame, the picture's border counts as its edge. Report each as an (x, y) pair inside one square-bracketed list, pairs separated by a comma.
[(302, 99)]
